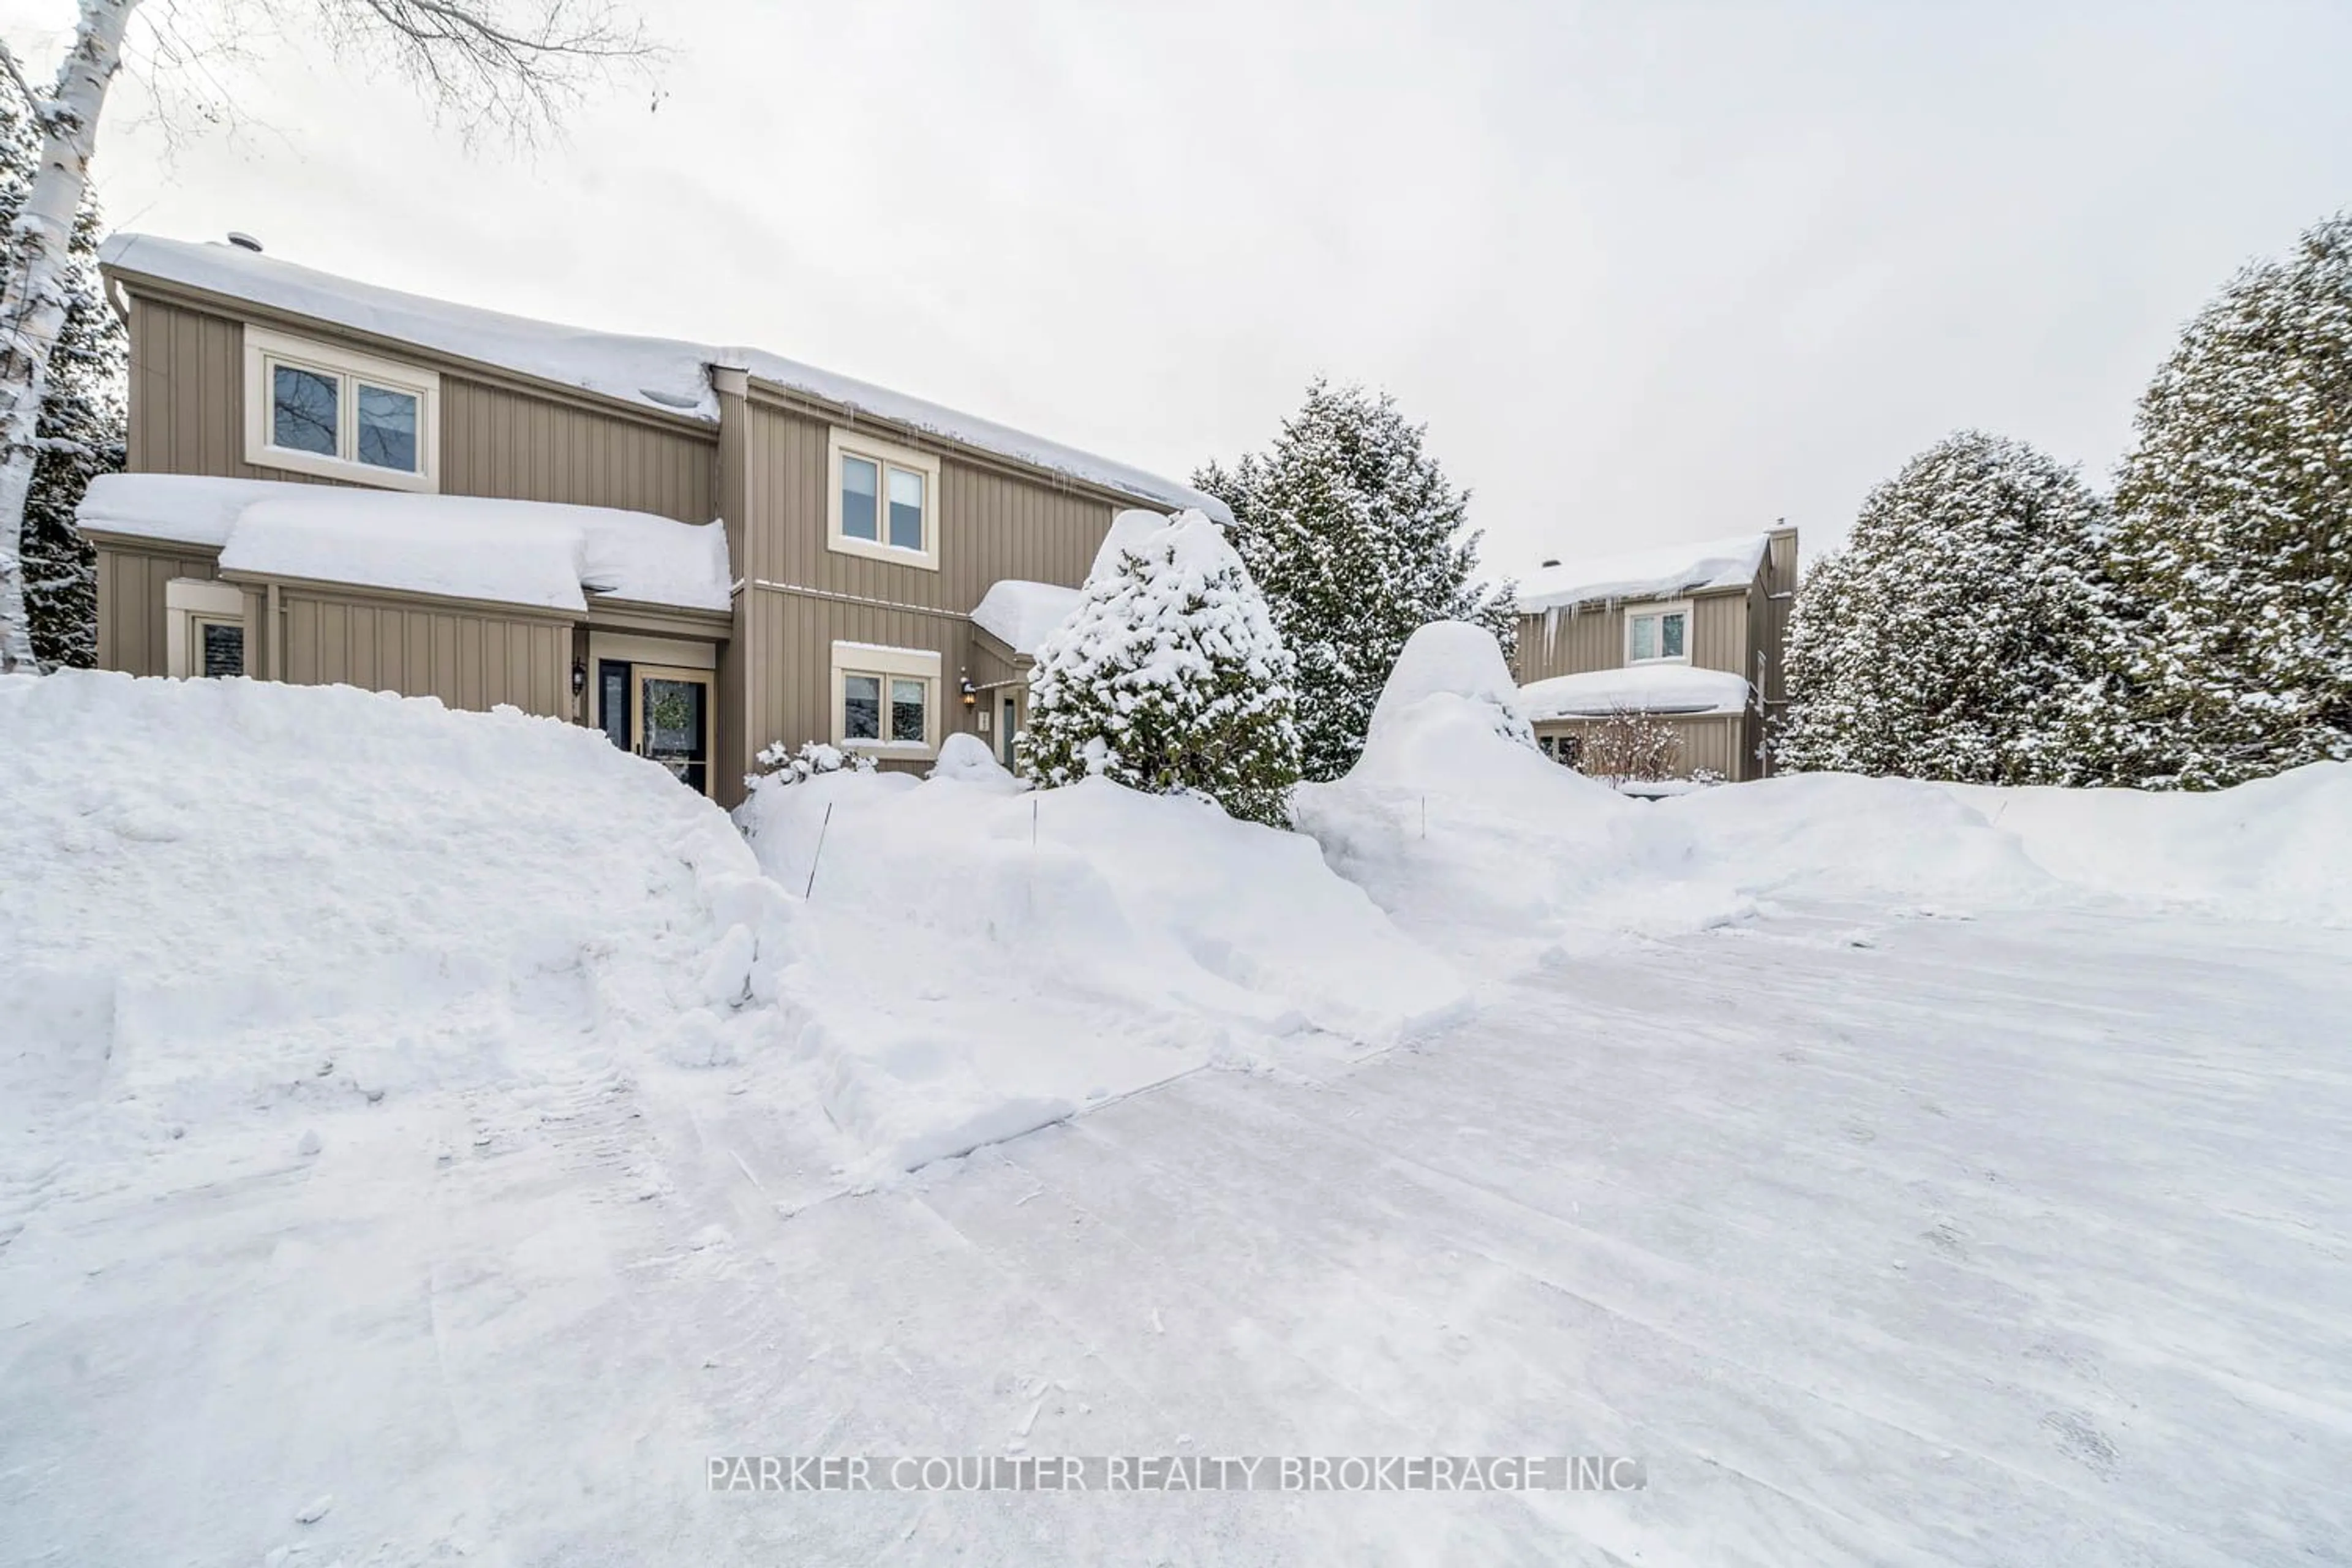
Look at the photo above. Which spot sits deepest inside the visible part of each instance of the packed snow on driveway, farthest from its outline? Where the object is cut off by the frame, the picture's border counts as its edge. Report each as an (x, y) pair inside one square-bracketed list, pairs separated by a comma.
[(432, 1138)]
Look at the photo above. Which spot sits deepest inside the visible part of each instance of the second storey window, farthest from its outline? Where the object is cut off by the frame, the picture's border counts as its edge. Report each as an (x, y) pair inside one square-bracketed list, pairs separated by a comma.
[(314, 408), (885, 501), (1657, 636)]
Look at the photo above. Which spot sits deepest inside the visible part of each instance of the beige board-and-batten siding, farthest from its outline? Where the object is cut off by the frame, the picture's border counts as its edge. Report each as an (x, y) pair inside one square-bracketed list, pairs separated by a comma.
[(1717, 743), (472, 658), (1575, 638), (497, 439), (802, 596)]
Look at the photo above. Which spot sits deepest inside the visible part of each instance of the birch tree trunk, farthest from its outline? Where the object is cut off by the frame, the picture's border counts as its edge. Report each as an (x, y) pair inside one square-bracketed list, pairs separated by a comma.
[(32, 304)]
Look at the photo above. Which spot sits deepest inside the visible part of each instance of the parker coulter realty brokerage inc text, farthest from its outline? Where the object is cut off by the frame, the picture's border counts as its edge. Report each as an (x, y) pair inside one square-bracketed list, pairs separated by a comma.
[(1175, 1472)]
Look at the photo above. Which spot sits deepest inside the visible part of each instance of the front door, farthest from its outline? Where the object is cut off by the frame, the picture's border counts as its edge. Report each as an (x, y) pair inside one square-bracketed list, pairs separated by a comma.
[(670, 721), (660, 713)]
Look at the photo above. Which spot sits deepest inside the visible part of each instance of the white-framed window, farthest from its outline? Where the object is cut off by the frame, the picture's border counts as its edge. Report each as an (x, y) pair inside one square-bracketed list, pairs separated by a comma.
[(317, 409), (886, 700), (885, 501), (204, 628), (1658, 633)]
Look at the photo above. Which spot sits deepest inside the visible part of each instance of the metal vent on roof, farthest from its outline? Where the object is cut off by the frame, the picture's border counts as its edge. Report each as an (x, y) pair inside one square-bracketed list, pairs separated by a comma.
[(244, 241), (1551, 562)]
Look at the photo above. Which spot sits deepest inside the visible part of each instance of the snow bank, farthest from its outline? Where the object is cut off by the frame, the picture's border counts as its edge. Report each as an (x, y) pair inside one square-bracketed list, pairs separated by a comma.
[(664, 373), (1651, 689), (221, 889), (977, 961), (503, 552), (1655, 574), (1022, 615), (1483, 847), (2272, 849)]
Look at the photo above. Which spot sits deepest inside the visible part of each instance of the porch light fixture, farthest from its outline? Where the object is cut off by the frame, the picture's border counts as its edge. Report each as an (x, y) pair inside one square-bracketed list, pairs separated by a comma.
[(970, 692), (578, 676)]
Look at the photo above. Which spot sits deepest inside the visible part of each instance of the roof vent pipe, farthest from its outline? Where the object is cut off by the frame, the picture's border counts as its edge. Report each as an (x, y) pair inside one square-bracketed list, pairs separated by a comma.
[(244, 241), (1551, 562)]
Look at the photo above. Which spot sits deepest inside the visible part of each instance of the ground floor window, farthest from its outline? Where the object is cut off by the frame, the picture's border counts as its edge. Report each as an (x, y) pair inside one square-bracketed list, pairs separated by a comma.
[(204, 628), (1562, 749), (885, 699)]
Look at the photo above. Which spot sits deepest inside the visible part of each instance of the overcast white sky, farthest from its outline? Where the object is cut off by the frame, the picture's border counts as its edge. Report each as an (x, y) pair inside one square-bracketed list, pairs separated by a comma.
[(1649, 271)]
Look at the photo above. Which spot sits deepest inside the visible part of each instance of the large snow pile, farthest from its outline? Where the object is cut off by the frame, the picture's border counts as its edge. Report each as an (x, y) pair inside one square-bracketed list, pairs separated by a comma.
[(2277, 849), (1484, 847), (1659, 573), (231, 900), (505, 552), (978, 960)]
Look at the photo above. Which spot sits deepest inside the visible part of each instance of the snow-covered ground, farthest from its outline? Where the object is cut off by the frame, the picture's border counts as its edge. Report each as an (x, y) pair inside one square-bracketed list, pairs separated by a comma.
[(445, 1120)]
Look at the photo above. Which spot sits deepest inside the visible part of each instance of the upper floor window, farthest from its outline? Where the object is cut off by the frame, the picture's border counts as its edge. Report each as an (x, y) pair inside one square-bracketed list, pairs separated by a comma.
[(885, 501), (1658, 634), (317, 409)]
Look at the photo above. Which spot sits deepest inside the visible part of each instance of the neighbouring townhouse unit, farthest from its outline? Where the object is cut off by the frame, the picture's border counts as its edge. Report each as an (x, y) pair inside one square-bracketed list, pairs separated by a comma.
[(1692, 636), (699, 550)]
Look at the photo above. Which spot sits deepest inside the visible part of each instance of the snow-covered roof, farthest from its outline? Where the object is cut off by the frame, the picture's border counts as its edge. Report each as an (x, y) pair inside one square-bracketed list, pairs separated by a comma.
[(463, 547), (1659, 573), (669, 375), (1020, 614), (1679, 688)]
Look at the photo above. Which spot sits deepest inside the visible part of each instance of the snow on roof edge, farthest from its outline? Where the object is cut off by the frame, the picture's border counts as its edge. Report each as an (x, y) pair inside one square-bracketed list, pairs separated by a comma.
[(535, 554), (1661, 572), (1678, 690), (661, 375)]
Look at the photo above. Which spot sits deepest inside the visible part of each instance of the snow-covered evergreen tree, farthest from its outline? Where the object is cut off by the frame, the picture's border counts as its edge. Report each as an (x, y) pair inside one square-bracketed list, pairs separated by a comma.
[(1359, 540), (1171, 678), (2233, 550), (1961, 633), (82, 427)]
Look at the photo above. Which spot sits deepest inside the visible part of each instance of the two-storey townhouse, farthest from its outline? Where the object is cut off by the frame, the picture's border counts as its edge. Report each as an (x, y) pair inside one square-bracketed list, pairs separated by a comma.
[(698, 550), (1692, 635)]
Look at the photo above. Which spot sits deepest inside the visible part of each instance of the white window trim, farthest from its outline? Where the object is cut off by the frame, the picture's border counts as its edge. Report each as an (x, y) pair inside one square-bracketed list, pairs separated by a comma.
[(1673, 606), (264, 347), (840, 442), (187, 602), (875, 659)]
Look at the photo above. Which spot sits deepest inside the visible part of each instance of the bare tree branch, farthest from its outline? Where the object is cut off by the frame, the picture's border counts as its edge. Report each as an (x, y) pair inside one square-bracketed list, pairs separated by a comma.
[(509, 68)]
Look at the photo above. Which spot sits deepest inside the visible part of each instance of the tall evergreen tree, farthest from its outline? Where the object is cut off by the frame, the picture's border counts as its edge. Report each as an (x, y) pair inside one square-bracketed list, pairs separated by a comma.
[(1169, 678), (1961, 633), (1359, 540), (2232, 551), (82, 427)]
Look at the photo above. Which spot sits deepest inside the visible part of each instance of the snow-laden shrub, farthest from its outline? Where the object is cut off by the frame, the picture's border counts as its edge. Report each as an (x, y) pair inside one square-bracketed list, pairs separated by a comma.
[(1629, 747), (2233, 550), (1960, 635), (967, 760), (1169, 678), (782, 764), (1357, 538)]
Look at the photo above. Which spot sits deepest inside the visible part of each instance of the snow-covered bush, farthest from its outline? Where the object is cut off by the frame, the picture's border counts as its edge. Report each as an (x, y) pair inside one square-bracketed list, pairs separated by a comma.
[(1358, 539), (967, 760), (782, 764), (2233, 551), (1962, 634), (1169, 678), (1629, 747)]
